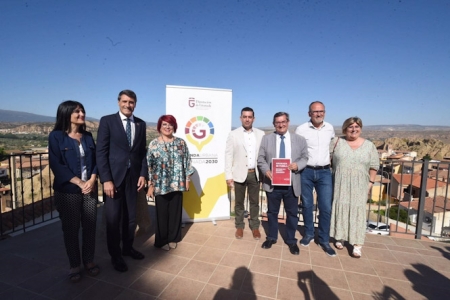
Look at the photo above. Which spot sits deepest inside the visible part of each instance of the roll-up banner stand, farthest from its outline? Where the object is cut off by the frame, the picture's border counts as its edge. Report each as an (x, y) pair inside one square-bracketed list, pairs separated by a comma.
[(204, 122)]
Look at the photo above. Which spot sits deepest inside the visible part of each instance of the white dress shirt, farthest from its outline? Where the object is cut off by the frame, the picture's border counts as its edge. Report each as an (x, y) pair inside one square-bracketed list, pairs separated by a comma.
[(250, 146), (287, 145), (318, 140)]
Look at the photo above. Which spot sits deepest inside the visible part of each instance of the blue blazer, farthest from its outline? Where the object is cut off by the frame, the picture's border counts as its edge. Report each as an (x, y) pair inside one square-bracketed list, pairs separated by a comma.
[(64, 159), (113, 152)]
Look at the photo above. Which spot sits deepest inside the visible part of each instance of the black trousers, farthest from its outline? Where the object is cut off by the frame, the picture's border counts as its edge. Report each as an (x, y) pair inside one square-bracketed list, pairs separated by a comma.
[(168, 214), (76, 209), (121, 208)]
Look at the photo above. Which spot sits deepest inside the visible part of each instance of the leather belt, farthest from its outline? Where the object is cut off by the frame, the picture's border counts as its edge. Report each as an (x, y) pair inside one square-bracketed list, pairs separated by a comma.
[(251, 170), (319, 167)]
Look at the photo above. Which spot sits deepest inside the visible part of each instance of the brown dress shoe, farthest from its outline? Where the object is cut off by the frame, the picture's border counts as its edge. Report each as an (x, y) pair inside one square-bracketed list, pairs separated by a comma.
[(256, 234), (239, 233)]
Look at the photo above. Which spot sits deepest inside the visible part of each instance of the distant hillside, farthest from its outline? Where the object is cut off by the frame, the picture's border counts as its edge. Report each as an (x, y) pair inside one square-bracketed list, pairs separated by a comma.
[(432, 140), (405, 127), (385, 128), (23, 117), (437, 149), (12, 116)]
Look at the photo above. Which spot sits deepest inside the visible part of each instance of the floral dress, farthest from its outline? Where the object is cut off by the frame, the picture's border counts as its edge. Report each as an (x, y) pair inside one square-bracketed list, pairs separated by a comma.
[(351, 186), (169, 164)]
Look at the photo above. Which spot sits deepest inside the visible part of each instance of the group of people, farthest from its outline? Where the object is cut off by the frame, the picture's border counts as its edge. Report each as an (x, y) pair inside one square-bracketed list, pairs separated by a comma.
[(124, 166), (341, 171)]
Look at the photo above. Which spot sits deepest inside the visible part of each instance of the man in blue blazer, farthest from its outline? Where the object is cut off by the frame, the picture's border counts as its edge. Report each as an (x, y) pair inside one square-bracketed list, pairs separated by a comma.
[(122, 167), (282, 144)]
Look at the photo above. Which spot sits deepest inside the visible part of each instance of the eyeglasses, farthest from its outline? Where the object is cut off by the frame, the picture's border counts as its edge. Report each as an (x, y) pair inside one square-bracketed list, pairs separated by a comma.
[(317, 112), (167, 125), (281, 123)]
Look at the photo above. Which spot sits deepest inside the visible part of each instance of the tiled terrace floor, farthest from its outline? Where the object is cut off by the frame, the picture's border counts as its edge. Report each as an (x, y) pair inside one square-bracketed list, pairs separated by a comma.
[(211, 264)]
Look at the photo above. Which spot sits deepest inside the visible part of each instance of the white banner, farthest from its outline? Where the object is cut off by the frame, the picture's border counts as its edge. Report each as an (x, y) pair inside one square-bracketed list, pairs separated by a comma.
[(204, 121)]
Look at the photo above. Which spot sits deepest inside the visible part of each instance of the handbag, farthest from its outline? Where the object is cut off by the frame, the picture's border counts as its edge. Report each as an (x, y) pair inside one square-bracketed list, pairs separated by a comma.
[(331, 154)]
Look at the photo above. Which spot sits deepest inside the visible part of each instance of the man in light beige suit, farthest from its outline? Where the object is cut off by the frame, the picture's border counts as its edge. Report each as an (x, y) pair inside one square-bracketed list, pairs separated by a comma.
[(241, 171)]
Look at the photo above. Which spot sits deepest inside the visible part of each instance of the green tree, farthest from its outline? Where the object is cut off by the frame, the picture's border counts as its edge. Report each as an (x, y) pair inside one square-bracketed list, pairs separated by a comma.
[(2, 153), (426, 157), (396, 214)]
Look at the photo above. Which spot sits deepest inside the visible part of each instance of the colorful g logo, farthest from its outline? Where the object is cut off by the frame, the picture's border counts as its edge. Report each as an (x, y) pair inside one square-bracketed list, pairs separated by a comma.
[(199, 131), (191, 102)]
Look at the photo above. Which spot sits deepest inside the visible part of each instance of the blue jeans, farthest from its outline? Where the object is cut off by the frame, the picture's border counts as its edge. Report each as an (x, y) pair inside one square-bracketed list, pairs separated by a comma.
[(290, 206), (322, 182)]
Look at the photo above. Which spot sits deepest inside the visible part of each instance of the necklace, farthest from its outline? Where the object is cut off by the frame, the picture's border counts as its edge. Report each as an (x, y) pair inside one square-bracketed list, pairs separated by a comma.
[(166, 142)]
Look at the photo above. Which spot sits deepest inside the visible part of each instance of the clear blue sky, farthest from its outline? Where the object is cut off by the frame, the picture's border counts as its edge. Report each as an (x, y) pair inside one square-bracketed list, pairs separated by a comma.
[(387, 62)]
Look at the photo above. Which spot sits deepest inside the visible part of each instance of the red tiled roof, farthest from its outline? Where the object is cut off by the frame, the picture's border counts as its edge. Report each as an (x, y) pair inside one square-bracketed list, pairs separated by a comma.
[(405, 178), (415, 180), (431, 183), (429, 202)]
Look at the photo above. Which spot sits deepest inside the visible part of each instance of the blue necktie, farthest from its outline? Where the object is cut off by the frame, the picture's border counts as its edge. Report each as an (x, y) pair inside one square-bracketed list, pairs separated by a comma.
[(282, 147), (129, 131)]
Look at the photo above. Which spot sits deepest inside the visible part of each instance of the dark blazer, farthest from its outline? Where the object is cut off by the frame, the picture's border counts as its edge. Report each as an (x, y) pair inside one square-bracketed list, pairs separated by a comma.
[(113, 152), (64, 159)]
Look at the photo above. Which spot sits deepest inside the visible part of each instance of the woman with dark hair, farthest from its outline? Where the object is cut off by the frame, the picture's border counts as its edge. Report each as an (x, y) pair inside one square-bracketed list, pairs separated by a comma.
[(355, 165), (71, 152), (169, 170)]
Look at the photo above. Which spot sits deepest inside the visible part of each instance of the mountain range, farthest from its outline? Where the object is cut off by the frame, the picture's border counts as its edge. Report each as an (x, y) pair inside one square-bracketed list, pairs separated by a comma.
[(11, 116), (432, 140)]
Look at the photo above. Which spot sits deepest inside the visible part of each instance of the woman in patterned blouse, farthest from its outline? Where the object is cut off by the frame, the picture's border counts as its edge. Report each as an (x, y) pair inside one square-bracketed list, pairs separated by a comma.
[(169, 170)]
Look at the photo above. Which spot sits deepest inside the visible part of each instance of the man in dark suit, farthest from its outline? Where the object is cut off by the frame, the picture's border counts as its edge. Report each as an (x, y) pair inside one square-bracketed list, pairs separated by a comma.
[(122, 167), (282, 144)]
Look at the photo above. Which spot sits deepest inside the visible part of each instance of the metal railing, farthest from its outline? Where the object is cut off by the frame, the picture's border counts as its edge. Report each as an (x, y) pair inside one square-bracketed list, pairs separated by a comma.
[(410, 197), (416, 201), (26, 192)]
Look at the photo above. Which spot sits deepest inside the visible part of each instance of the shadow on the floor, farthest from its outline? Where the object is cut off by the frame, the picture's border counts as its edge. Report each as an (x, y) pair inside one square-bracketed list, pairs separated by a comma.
[(309, 283), (281, 230), (239, 273), (445, 254), (428, 282), (389, 293), (265, 227), (301, 230), (148, 228)]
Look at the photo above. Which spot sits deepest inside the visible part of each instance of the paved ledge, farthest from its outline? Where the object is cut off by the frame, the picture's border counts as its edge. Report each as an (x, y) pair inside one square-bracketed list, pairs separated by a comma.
[(211, 264)]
